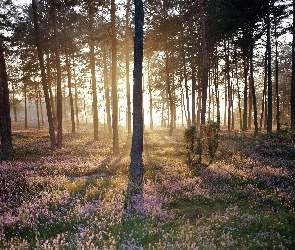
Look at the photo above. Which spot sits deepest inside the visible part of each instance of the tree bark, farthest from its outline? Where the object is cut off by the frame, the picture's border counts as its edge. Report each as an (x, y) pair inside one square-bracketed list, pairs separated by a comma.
[(107, 91), (93, 78), (205, 64), (114, 80), (293, 75), (127, 68), (253, 90), (69, 74), (58, 79), (5, 119), (43, 75), (136, 166), (269, 82), (246, 67)]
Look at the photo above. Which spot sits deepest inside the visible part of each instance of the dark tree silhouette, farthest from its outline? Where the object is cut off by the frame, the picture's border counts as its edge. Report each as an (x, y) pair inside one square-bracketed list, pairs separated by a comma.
[(5, 120), (136, 167)]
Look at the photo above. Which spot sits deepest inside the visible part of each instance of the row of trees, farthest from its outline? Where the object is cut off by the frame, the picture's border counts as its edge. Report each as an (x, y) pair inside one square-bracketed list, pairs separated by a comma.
[(201, 58)]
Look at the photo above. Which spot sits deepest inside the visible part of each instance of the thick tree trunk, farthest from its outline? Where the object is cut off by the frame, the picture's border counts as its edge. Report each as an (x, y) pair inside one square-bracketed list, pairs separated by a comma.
[(136, 166), (114, 80), (293, 75), (58, 79), (5, 119), (43, 75)]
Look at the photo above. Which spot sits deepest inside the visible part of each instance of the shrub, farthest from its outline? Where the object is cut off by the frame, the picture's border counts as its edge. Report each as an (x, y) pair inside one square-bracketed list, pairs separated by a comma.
[(201, 150)]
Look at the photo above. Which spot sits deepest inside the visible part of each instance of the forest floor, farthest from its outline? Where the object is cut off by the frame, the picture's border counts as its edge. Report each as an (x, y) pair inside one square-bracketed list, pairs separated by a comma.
[(73, 198)]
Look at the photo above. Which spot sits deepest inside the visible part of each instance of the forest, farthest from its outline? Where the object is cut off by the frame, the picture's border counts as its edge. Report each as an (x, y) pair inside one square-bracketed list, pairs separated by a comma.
[(156, 124)]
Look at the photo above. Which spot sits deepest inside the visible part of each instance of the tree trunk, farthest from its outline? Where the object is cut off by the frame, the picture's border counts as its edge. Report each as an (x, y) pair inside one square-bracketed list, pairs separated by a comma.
[(69, 74), (269, 82), (43, 75), (107, 91), (37, 106), (5, 119), (264, 90), (76, 95), (188, 120), (26, 110), (127, 68), (58, 79), (114, 80), (192, 58), (253, 90), (278, 115), (93, 79), (136, 166), (51, 96), (150, 96), (205, 64), (246, 67), (293, 75)]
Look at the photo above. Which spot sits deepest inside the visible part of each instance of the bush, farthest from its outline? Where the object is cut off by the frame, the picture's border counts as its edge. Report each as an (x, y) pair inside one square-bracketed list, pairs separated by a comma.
[(201, 150)]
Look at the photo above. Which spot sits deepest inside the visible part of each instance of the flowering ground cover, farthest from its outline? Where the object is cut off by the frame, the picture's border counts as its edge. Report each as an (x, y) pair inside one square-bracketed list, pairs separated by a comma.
[(75, 197)]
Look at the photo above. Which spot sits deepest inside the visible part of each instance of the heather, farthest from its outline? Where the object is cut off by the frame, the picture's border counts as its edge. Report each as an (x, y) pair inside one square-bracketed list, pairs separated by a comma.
[(76, 197)]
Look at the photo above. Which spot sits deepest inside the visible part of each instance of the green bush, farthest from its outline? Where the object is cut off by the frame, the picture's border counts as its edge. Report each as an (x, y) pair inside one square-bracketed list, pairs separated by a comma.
[(201, 150)]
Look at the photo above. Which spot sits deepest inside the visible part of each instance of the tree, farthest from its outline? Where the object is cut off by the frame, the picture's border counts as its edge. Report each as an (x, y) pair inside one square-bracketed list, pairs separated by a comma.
[(43, 75), (136, 166), (293, 74), (114, 80), (58, 76), (5, 120)]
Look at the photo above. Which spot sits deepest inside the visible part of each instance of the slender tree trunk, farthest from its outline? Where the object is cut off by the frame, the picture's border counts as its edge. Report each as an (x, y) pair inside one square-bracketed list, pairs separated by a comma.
[(14, 103), (253, 90), (205, 64), (127, 67), (69, 74), (26, 110), (246, 67), (37, 107), (278, 115), (269, 82), (5, 119), (76, 95), (150, 96), (264, 90), (136, 166), (51, 96), (189, 122), (192, 58), (114, 80), (169, 92), (41, 109), (107, 91), (93, 78), (58, 79), (43, 75)]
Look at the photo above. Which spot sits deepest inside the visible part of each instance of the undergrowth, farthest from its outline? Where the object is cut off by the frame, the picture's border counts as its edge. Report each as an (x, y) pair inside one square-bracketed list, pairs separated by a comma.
[(75, 197)]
